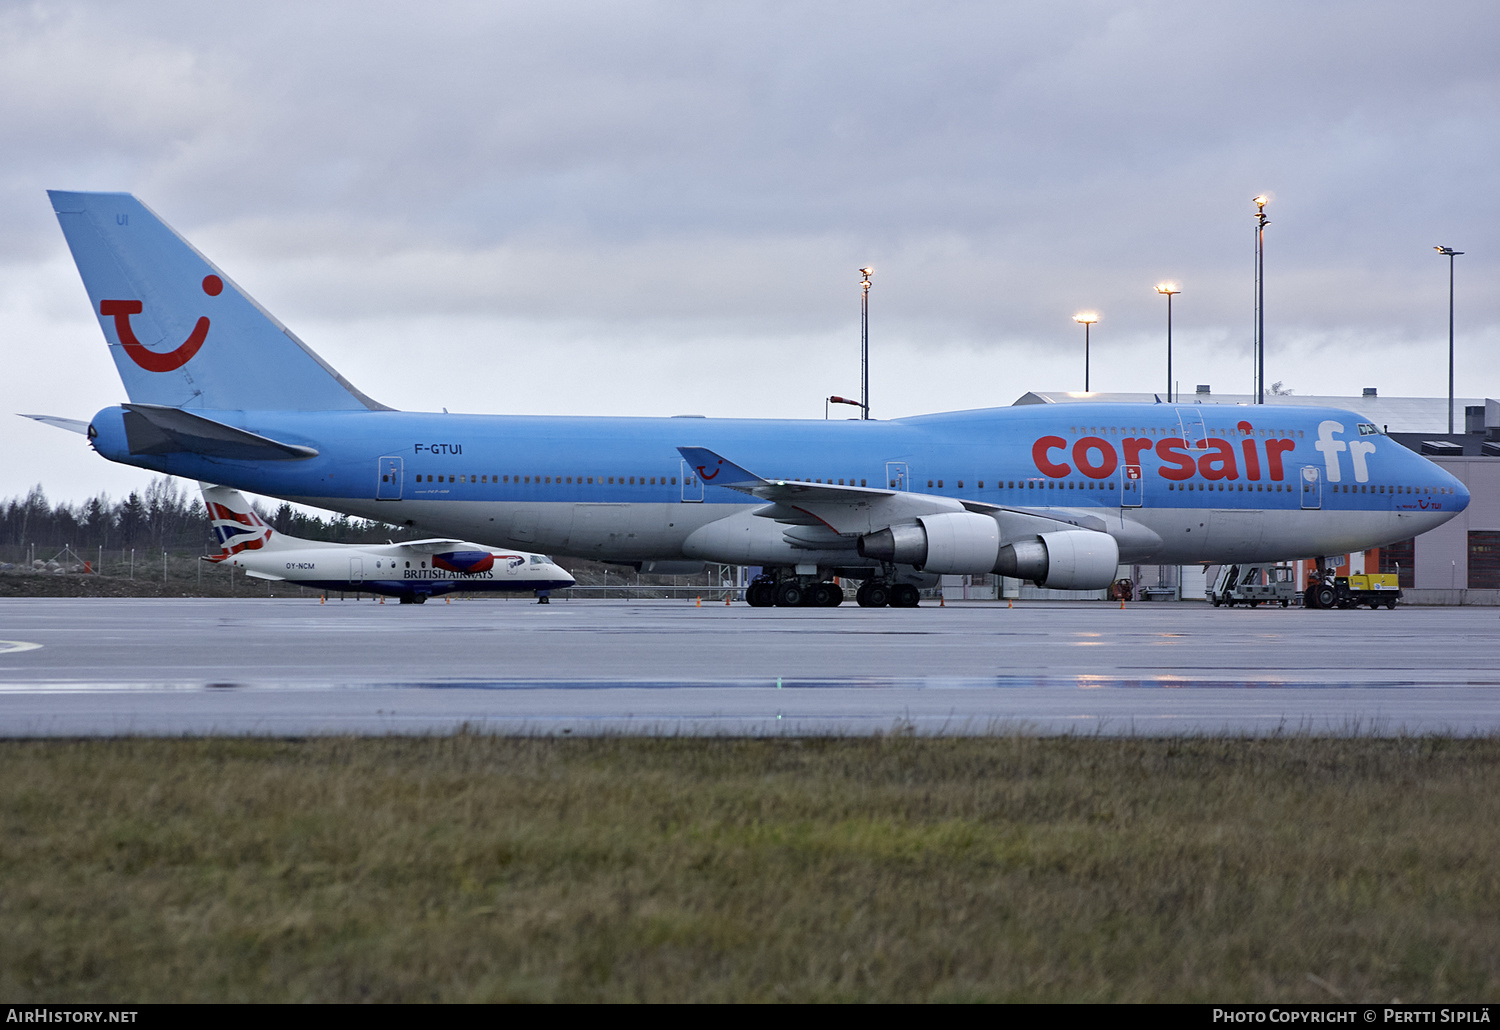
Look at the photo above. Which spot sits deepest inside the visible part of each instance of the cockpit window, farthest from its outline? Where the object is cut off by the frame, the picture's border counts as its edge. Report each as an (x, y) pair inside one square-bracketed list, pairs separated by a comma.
[(1366, 429)]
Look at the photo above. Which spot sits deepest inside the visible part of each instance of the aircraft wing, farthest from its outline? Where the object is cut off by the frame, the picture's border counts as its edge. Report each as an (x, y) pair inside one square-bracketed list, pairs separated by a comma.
[(438, 545), (72, 425), (716, 470), (847, 511), (836, 515)]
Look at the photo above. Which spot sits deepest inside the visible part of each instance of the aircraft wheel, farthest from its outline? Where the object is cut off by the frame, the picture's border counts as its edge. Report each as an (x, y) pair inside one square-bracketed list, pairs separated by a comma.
[(904, 595), (826, 595), (1325, 597), (760, 594), (874, 595), (789, 594), (419, 599)]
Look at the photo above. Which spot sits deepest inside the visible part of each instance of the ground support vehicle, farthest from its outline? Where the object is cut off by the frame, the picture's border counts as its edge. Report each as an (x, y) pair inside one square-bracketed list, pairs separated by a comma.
[(1254, 585), (1373, 589)]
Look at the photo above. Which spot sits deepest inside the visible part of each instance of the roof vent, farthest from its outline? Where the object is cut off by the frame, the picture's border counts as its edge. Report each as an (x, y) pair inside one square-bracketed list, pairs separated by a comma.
[(1370, 391), (1203, 388), (1443, 448)]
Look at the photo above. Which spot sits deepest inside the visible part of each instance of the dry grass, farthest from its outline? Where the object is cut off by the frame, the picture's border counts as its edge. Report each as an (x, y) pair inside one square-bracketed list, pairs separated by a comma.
[(474, 868)]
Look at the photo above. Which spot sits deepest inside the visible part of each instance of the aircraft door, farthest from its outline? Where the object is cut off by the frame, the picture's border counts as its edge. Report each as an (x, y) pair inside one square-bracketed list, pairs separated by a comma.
[(389, 486), (357, 570), (896, 475), (692, 485), (1312, 486), (1191, 420), (1130, 486)]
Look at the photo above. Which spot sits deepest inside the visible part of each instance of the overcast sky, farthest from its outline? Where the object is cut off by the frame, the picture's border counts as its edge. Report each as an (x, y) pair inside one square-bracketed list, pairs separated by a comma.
[(659, 208)]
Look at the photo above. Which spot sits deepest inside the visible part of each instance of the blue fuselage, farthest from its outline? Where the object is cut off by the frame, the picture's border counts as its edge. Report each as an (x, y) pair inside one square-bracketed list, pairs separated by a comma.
[(1314, 481)]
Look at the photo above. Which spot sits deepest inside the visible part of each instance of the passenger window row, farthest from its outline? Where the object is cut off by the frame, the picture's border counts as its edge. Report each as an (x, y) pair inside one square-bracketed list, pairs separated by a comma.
[(1176, 430), (559, 480)]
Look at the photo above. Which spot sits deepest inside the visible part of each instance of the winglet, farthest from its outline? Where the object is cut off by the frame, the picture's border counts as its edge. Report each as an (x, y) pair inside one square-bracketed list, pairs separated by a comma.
[(716, 470)]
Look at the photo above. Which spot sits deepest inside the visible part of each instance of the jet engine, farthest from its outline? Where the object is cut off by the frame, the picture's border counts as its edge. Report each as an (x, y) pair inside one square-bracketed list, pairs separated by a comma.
[(1067, 560), (951, 543), (464, 561), (965, 542)]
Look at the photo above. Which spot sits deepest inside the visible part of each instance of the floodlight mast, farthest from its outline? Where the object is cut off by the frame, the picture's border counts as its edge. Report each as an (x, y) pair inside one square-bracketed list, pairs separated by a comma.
[(1260, 203), (864, 342), (1450, 254), (1088, 318), (1169, 290)]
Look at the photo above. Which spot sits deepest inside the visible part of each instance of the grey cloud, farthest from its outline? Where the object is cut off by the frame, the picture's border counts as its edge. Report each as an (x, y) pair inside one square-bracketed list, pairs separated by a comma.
[(723, 168)]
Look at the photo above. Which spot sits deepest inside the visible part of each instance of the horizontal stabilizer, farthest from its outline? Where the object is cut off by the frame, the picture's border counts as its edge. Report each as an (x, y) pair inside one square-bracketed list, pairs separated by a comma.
[(157, 429), (255, 574), (72, 425)]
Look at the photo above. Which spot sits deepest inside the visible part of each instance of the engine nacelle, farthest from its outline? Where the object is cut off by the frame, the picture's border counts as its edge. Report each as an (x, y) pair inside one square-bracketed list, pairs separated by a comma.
[(952, 543), (1067, 560)]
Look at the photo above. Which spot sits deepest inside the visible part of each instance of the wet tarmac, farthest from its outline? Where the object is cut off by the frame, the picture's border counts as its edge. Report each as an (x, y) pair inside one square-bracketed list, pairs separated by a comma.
[(291, 667)]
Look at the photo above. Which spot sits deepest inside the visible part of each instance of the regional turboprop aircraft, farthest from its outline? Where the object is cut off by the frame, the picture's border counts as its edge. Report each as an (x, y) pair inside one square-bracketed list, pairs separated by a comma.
[(412, 570), (1059, 494)]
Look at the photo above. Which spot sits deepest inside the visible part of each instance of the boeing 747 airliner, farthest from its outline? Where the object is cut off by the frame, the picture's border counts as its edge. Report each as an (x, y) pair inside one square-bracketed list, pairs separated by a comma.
[(221, 391)]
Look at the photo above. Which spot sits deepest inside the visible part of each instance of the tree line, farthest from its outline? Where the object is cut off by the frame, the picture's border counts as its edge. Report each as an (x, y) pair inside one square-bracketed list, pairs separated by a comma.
[(164, 518)]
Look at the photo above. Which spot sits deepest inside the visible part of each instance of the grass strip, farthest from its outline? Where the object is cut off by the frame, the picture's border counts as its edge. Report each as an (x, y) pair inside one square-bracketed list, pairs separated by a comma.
[(476, 868)]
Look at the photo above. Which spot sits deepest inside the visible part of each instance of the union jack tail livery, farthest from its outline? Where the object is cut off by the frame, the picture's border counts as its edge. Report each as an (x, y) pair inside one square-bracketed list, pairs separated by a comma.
[(236, 525)]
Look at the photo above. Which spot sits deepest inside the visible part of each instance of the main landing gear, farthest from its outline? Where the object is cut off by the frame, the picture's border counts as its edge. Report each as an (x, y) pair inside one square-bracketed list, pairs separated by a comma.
[(765, 592), (878, 594), (804, 592)]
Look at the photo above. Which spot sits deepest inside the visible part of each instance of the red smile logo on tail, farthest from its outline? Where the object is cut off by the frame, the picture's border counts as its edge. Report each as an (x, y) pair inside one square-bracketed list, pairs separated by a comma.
[(150, 360)]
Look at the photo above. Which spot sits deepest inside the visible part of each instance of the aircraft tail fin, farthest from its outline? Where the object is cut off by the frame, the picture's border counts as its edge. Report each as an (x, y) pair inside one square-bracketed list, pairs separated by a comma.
[(181, 332), (237, 526)]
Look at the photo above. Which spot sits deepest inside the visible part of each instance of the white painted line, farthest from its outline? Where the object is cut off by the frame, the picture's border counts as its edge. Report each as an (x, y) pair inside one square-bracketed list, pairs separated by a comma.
[(17, 646)]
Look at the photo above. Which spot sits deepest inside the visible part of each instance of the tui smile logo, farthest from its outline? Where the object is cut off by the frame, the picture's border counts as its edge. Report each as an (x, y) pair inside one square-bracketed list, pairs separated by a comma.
[(157, 361)]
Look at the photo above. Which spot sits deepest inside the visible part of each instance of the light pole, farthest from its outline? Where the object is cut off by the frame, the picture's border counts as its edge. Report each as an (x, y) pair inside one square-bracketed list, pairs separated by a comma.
[(1260, 203), (1450, 254), (1168, 290), (864, 342), (1088, 318)]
